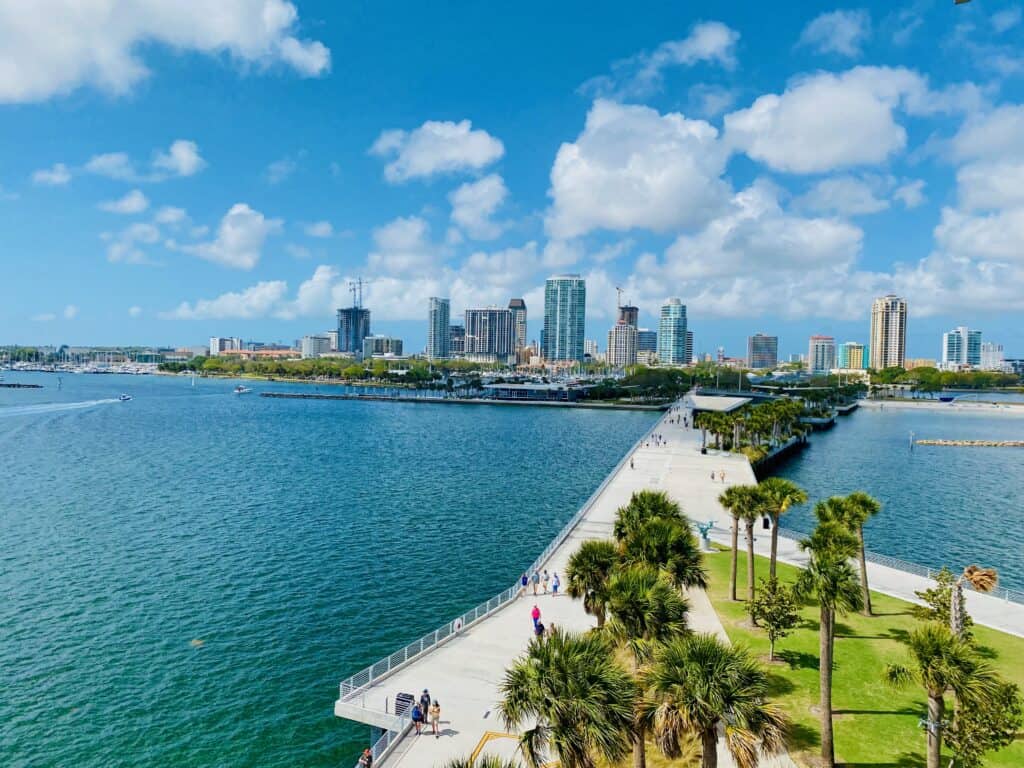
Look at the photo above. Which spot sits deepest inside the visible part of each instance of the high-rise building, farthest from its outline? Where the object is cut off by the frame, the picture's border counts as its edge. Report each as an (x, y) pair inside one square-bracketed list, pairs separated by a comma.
[(851, 355), (689, 348), (353, 327), (314, 346), (992, 357), (888, 340), (565, 317), (961, 347), (457, 340), (762, 351), (622, 345), (518, 309), (672, 334), (332, 337), (220, 344), (438, 329), (821, 354), (629, 315), (382, 345), (646, 340), (490, 332), (590, 348)]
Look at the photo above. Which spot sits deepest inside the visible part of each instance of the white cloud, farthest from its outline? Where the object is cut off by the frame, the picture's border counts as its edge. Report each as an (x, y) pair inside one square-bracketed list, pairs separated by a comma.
[(298, 251), (168, 214), (279, 170), (710, 100), (995, 236), (131, 203), (126, 246), (1005, 20), (842, 195), (318, 295), (910, 193), (135, 311), (435, 148), (320, 229), (70, 312), (403, 246), (113, 165), (44, 317), (181, 159), (991, 185), (559, 254), (52, 47), (475, 202), (256, 301), (641, 75), (996, 135), (57, 176), (240, 238), (632, 167), (841, 32)]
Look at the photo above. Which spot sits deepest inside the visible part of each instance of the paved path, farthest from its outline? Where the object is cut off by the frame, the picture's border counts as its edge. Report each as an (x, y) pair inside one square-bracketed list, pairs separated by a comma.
[(464, 673)]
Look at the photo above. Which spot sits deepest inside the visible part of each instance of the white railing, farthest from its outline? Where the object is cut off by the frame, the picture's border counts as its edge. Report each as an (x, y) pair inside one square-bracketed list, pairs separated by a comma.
[(383, 745), (351, 686)]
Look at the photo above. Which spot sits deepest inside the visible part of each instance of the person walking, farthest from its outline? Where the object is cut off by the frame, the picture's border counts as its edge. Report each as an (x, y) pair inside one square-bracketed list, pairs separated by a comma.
[(366, 759), (523, 582), (535, 615), (546, 578), (538, 629), (435, 717), (555, 584), (631, 463), (536, 581), (417, 718), (425, 704), (722, 473)]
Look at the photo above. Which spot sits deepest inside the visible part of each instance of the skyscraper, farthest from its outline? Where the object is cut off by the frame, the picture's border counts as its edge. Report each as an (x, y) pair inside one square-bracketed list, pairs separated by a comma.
[(565, 316), (851, 355), (646, 340), (672, 334), (629, 315), (518, 309), (992, 357), (888, 332), (622, 345), (762, 351), (457, 340), (353, 327), (438, 329), (490, 332), (590, 348), (961, 347), (821, 354), (689, 347)]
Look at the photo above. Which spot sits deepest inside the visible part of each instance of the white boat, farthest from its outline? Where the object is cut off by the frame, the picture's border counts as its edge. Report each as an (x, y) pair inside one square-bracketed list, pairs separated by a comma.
[(124, 398), (241, 389)]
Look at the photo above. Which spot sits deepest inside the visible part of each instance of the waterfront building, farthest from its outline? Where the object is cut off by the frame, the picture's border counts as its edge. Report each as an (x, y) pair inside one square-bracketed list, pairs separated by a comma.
[(332, 337), (888, 340), (353, 327), (490, 332), (220, 344), (438, 329), (590, 349), (689, 348), (629, 315), (1014, 365), (798, 358), (851, 355), (565, 316), (518, 309), (622, 345), (821, 354), (646, 340), (992, 358), (376, 346), (314, 346), (762, 351), (672, 333), (918, 362), (457, 340), (961, 348)]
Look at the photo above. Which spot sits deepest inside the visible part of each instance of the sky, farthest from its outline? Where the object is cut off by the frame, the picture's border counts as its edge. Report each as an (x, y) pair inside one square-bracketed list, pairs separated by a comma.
[(168, 173)]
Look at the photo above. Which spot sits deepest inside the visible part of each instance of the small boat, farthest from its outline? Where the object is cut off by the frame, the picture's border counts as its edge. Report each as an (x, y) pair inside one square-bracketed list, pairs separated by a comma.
[(947, 398), (124, 398), (241, 389)]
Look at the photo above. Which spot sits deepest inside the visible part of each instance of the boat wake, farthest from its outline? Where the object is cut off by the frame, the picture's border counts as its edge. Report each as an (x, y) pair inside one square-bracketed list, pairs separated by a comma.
[(32, 410)]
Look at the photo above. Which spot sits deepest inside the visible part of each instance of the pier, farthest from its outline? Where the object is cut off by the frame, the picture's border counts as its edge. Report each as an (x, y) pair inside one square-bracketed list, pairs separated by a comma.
[(975, 443), (465, 401), (463, 662)]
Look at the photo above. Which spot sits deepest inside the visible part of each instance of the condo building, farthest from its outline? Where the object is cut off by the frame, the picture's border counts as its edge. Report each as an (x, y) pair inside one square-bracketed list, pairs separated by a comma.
[(821, 354), (438, 329), (961, 348), (888, 341), (565, 316), (672, 334), (762, 351)]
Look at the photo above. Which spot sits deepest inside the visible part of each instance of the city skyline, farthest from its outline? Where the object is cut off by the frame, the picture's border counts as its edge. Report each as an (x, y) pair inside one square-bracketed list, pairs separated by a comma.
[(136, 210)]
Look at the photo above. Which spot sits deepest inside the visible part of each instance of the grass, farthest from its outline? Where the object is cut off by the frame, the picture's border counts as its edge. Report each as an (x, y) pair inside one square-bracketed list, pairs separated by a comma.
[(875, 726)]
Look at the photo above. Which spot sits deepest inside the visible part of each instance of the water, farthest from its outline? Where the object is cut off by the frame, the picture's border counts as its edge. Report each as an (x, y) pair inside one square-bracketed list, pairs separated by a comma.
[(940, 505), (186, 577)]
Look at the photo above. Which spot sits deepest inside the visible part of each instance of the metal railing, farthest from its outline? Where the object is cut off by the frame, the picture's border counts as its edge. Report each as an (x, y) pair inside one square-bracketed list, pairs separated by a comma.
[(351, 686), (383, 745)]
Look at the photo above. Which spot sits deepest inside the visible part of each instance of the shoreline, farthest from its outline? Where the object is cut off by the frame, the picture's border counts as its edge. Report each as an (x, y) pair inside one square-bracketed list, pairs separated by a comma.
[(467, 401), (1016, 409)]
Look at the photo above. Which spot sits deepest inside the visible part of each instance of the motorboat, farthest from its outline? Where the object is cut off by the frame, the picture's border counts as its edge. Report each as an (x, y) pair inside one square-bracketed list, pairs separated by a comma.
[(124, 398), (241, 389)]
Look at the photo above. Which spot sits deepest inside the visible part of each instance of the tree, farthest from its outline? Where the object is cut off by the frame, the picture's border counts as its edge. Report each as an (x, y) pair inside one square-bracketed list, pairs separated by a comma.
[(938, 601), (775, 608), (484, 761), (941, 661), (699, 682), (831, 581), (642, 507), (779, 495), (577, 701), (738, 499), (646, 611), (860, 507), (978, 730), (670, 546), (587, 575), (981, 580)]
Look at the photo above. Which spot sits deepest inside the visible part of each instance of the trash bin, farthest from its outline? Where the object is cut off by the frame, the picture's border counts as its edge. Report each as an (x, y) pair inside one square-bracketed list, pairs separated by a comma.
[(403, 703)]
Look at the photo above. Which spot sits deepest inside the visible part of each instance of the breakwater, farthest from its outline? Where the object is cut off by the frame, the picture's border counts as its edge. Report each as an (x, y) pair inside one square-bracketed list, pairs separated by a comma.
[(975, 443), (465, 401), (20, 386)]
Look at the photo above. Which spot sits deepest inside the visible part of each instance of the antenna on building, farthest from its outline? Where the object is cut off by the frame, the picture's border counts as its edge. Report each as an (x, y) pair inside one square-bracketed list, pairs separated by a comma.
[(356, 288)]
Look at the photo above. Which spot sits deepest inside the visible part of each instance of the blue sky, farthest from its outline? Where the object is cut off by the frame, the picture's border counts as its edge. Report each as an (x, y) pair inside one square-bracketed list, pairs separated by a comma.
[(165, 179)]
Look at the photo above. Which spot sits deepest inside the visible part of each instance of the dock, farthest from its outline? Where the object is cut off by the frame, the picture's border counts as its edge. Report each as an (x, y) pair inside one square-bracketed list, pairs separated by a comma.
[(466, 401)]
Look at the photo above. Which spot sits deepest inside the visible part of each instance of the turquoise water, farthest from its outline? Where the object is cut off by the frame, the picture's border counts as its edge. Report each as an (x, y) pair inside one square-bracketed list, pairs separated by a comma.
[(941, 505), (294, 541)]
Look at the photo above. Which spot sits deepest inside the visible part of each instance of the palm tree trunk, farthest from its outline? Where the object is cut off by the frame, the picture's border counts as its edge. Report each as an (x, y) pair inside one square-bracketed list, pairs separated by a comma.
[(775, 546), (735, 557), (864, 572), (639, 751), (936, 710), (750, 561), (825, 682), (709, 748)]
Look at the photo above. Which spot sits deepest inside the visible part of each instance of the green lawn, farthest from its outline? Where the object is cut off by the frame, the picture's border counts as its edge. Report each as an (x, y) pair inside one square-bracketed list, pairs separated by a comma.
[(875, 726)]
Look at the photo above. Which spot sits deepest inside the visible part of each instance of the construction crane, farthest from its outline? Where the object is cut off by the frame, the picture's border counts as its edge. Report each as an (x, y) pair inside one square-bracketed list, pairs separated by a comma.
[(618, 301), (356, 288)]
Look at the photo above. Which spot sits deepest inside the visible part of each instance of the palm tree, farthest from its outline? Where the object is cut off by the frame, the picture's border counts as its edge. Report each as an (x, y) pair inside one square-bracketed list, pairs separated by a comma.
[(941, 661), (578, 702), (981, 580), (644, 506), (860, 507), (670, 546), (697, 683), (779, 495), (830, 579), (587, 575), (484, 761), (738, 499), (646, 611)]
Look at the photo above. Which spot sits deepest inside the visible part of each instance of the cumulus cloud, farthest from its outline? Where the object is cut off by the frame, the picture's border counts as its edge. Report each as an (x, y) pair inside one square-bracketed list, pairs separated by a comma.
[(70, 312), (181, 158), (169, 214), (256, 301), (633, 167), (436, 148), (131, 203), (910, 193), (474, 203), (53, 47), (858, 195), (991, 185), (403, 246), (44, 317), (128, 245), (840, 32), (279, 170), (322, 229), (135, 311), (113, 165), (997, 134), (240, 238), (1005, 20), (643, 74), (57, 176)]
